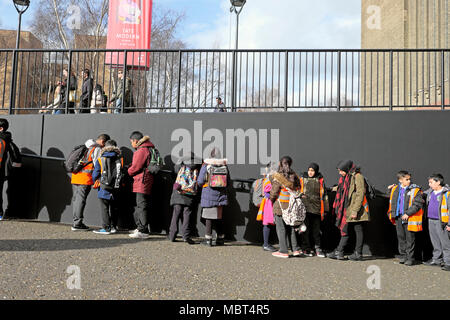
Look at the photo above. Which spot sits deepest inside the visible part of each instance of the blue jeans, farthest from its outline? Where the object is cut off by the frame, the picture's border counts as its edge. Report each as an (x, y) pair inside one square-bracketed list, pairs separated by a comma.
[(118, 106), (59, 111)]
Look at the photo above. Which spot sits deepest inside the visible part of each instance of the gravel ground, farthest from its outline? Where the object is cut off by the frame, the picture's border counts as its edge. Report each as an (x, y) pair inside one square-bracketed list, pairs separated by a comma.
[(34, 258)]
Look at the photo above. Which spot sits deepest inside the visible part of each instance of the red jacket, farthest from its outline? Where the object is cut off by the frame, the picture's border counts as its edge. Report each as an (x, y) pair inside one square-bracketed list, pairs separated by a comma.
[(143, 180)]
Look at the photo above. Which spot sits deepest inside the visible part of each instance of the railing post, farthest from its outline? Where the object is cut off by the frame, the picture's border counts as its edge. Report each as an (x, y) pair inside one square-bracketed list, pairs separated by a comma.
[(12, 98), (233, 80), (391, 80), (443, 80), (179, 82), (124, 80), (286, 79), (338, 104), (69, 74)]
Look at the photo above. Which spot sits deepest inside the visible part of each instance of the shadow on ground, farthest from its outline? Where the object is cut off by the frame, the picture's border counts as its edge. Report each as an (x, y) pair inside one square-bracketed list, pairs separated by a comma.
[(66, 244)]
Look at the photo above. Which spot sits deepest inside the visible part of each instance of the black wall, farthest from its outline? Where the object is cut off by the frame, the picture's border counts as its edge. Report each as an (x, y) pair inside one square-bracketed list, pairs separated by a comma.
[(380, 142)]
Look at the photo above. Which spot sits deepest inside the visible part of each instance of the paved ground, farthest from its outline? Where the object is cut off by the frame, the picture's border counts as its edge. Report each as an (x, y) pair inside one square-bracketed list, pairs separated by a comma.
[(34, 258)]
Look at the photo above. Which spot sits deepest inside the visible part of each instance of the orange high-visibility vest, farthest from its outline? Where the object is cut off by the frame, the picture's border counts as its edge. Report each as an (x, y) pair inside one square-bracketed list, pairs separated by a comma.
[(84, 177), (414, 221), (444, 208), (322, 194)]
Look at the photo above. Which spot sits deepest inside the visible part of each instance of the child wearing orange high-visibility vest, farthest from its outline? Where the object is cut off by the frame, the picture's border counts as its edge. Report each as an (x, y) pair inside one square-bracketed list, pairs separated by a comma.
[(438, 221), (406, 212)]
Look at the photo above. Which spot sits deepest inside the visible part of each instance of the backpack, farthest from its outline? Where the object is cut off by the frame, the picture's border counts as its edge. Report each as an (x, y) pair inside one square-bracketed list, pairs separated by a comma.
[(217, 176), (187, 179), (295, 214), (111, 174), (74, 162), (257, 192), (13, 158), (370, 189), (156, 162)]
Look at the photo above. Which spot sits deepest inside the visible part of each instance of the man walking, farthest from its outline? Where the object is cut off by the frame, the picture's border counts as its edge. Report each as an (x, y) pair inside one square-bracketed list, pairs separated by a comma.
[(86, 91)]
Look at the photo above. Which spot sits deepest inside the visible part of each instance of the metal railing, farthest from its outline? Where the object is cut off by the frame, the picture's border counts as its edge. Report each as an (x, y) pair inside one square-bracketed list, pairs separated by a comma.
[(247, 80)]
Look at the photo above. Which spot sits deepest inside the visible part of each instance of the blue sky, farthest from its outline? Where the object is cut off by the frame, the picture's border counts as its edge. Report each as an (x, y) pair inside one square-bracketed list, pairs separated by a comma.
[(291, 24)]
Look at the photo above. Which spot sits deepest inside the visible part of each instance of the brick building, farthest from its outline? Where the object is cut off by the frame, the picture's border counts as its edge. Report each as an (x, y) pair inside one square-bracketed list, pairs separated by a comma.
[(418, 78)]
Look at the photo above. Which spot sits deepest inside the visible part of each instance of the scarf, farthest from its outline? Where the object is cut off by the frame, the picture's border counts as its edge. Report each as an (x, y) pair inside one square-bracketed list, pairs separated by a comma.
[(341, 201)]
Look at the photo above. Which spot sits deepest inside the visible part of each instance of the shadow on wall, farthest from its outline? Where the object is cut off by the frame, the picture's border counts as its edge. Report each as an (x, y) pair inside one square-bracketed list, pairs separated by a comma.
[(56, 189)]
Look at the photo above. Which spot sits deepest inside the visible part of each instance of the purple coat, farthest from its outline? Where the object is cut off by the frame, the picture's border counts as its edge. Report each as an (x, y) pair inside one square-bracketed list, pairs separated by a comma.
[(212, 197)]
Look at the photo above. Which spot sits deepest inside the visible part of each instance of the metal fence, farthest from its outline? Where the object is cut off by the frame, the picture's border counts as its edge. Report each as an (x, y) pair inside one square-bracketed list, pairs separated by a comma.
[(247, 80)]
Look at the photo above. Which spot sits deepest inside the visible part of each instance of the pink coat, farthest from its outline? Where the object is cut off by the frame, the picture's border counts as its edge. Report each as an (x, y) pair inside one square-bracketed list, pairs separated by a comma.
[(266, 207)]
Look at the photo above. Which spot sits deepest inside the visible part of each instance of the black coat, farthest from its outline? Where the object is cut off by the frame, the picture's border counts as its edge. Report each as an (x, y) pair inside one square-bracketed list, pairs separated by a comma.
[(86, 92), (417, 204)]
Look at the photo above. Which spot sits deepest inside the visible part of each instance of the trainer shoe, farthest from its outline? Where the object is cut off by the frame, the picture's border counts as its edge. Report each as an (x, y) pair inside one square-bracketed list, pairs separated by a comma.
[(139, 235), (102, 231), (356, 257), (336, 255), (189, 241), (81, 227), (445, 267), (402, 260), (113, 230), (432, 263), (297, 253), (409, 263), (308, 253), (269, 248), (134, 231), (278, 254), (207, 242), (320, 253)]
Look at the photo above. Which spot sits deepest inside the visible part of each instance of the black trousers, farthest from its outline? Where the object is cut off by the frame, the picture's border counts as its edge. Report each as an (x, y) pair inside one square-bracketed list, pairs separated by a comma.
[(110, 213), (312, 232), (406, 240), (141, 212), (218, 225), (2, 182), (357, 227), (184, 212)]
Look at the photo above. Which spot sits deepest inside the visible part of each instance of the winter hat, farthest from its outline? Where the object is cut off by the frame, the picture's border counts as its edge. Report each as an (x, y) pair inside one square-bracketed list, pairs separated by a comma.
[(345, 165)]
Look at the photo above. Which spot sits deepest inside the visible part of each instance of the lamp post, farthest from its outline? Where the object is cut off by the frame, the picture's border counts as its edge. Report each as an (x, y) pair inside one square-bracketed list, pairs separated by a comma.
[(21, 7), (236, 7)]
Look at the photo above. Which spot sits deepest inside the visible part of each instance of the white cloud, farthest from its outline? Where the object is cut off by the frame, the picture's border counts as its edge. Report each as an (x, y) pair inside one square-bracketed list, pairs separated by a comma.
[(291, 24)]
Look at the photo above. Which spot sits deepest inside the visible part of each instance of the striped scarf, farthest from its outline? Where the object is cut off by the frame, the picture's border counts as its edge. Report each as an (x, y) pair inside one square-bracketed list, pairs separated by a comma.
[(341, 201)]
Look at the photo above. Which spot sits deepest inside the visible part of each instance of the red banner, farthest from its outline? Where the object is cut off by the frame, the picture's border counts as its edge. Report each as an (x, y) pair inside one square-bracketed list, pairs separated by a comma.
[(129, 28)]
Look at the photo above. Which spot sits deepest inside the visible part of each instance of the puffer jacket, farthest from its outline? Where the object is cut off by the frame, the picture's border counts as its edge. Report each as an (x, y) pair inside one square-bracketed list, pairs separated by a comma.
[(142, 178), (279, 182), (212, 197)]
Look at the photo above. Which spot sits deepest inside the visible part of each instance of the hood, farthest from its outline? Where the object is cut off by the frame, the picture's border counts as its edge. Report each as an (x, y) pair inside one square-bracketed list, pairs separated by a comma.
[(6, 136), (216, 162), (89, 143), (110, 151), (281, 179), (145, 142)]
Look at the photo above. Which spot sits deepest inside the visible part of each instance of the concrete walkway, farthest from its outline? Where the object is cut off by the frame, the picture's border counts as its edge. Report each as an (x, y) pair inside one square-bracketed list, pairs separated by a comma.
[(35, 257)]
